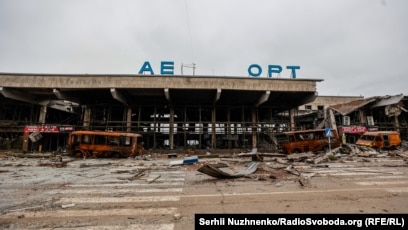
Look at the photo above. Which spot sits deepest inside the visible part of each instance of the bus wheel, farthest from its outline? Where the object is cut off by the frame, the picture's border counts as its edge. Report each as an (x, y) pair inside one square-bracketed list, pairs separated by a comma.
[(117, 155), (296, 151), (77, 155), (86, 154)]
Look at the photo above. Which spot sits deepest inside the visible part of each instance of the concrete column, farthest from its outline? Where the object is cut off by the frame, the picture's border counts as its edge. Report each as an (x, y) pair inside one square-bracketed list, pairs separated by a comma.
[(43, 114), (396, 123), (25, 141), (254, 128), (171, 131), (129, 119), (87, 117), (292, 119), (229, 134), (362, 117), (214, 133)]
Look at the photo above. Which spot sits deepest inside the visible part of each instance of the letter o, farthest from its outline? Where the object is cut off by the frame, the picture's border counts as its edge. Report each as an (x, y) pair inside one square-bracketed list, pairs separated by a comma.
[(259, 70)]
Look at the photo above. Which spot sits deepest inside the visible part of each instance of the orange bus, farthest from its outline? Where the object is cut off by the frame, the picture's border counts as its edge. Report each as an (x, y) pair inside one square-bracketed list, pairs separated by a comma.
[(104, 144), (306, 140)]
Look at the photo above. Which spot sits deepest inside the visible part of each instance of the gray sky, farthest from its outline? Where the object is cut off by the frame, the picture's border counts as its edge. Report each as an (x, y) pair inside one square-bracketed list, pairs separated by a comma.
[(359, 47)]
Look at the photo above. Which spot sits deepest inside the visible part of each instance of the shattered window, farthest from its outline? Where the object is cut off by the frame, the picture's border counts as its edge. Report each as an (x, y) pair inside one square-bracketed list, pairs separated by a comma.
[(281, 137), (99, 140), (368, 137), (76, 139), (86, 139), (126, 141), (113, 141)]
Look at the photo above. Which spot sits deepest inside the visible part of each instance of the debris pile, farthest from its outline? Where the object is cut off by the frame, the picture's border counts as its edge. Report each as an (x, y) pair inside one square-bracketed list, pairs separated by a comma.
[(295, 164)]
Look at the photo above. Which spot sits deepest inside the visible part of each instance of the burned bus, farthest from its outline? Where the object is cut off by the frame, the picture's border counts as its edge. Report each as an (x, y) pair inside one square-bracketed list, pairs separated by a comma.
[(104, 144), (306, 140)]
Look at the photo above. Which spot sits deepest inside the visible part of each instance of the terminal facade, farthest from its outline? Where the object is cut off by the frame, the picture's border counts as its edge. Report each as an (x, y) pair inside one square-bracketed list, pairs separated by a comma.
[(38, 111)]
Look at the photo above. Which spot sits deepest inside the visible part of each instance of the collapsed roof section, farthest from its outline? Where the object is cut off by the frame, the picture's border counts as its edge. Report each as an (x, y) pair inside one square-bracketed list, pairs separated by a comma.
[(345, 109)]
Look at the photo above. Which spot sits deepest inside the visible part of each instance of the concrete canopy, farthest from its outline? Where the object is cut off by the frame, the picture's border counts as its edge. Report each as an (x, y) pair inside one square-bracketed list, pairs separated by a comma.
[(85, 89)]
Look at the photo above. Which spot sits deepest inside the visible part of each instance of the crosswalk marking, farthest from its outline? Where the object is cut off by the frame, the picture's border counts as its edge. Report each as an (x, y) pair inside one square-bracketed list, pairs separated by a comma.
[(121, 227), (368, 176), (140, 184), (78, 200), (111, 191), (81, 199), (397, 190), (381, 182), (89, 213)]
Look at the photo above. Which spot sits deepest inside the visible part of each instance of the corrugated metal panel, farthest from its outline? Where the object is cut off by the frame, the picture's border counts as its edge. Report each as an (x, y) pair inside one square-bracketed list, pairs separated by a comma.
[(388, 100), (347, 108), (215, 172)]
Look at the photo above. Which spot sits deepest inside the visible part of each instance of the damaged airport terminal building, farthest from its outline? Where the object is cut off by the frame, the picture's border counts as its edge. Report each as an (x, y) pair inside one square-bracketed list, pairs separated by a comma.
[(38, 111)]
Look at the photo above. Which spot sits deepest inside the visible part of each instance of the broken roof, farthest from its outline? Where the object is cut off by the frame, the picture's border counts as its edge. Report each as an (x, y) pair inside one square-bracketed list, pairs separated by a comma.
[(352, 106), (388, 100), (347, 108)]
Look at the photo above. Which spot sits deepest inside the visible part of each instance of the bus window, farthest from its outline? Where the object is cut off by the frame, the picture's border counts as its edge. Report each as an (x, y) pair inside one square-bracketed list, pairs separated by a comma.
[(76, 139), (86, 139), (126, 141), (99, 140), (310, 136), (299, 137), (113, 141)]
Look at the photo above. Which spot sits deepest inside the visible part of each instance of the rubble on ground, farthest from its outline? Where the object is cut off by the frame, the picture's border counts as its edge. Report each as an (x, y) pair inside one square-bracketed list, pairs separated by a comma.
[(270, 166)]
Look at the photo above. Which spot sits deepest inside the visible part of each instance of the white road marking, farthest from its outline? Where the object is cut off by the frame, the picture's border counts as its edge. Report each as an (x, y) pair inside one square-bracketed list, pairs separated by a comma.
[(111, 191), (121, 227), (142, 184), (133, 199), (397, 190), (380, 182), (96, 213), (286, 192)]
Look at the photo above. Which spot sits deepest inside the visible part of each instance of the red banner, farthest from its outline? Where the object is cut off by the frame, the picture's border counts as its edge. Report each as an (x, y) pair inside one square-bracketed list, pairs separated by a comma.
[(47, 129), (354, 129)]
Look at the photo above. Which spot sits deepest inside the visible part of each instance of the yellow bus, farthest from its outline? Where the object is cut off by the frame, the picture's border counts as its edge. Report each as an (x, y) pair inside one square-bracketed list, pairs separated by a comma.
[(104, 144)]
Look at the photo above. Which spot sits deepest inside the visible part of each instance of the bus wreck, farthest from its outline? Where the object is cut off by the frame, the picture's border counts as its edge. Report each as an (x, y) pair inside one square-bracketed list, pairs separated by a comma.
[(306, 140), (104, 144)]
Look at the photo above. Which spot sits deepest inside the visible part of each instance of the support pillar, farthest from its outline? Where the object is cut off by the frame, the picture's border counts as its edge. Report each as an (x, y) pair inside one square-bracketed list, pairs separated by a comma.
[(214, 133), (362, 117), (87, 118), (292, 119), (43, 114), (396, 123), (229, 131), (254, 128), (25, 140), (171, 131), (129, 119)]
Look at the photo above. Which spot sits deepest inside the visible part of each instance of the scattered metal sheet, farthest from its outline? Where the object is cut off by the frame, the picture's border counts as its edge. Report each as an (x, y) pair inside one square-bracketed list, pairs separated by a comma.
[(216, 172)]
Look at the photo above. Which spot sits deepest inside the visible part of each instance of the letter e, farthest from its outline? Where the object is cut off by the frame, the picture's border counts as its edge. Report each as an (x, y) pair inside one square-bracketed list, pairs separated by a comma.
[(167, 67)]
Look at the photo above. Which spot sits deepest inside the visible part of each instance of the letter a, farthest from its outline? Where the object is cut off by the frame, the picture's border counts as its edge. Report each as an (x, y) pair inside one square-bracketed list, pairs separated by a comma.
[(146, 67)]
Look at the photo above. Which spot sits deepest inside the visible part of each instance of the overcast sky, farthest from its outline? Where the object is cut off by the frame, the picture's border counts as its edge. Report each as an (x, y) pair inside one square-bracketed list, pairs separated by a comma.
[(358, 47)]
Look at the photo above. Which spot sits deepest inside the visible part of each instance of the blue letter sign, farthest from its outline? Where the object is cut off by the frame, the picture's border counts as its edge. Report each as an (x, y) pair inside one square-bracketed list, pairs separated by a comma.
[(146, 67), (258, 72), (167, 67), (293, 68), (271, 69), (274, 69)]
